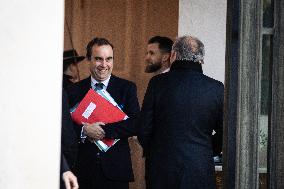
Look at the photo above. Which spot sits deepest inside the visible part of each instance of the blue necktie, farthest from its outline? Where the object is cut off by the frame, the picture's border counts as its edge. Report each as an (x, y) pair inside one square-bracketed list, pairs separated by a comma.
[(99, 86)]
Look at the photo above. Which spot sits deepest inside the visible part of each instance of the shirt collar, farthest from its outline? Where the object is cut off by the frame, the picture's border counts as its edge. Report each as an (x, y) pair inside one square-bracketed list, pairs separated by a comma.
[(94, 82), (166, 70)]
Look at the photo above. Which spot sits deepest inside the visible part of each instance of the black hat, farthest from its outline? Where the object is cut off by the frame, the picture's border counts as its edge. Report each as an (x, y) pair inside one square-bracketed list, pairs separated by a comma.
[(71, 57)]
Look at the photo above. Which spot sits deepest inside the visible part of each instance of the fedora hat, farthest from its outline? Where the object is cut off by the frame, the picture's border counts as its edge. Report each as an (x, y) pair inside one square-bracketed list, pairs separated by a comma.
[(71, 57)]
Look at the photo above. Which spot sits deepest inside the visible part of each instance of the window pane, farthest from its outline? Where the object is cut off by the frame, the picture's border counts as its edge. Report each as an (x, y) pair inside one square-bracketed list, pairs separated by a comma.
[(265, 73), (268, 13), (265, 100)]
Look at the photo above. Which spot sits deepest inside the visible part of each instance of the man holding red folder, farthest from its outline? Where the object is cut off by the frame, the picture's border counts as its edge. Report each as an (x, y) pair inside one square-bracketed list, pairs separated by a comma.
[(110, 169)]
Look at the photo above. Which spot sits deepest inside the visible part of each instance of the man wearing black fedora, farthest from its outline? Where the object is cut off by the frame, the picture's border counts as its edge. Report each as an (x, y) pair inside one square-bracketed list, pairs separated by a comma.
[(69, 145), (70, 69)]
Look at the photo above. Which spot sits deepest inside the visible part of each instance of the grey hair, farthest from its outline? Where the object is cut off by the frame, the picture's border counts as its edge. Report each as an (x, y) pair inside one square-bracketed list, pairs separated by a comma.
[(185, 48)]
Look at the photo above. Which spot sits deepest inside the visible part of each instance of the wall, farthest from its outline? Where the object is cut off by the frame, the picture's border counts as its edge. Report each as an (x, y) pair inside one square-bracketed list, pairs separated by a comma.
[(207, 21), (30, 79)]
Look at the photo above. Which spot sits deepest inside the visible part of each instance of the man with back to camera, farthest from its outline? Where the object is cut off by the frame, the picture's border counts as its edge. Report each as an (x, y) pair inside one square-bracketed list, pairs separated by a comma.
[(111, 169), (179, 112), (158, 54)]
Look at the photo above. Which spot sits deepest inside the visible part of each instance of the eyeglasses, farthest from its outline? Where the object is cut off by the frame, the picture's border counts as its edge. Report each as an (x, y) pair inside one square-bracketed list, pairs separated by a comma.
[(100, 59)]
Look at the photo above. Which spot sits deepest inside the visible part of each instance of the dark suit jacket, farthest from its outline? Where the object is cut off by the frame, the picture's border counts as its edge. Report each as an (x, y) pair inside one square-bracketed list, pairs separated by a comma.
[(63, 165), (179, 112), (69, 144), (116, 162), (66, 81)]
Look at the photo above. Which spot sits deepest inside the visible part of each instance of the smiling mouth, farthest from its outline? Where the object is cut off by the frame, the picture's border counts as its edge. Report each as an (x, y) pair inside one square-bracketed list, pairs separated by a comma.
[(103, 70)]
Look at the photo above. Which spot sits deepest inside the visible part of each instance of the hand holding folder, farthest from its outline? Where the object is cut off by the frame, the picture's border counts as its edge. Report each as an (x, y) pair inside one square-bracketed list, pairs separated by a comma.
[(97, 107)]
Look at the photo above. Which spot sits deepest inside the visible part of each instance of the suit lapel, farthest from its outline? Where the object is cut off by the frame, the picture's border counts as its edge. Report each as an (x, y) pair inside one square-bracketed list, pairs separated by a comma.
[(113, 89), (111, 86)]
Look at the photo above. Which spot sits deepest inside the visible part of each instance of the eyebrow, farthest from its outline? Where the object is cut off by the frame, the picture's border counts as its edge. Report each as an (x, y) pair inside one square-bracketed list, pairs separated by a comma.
[(101, 58), (98, 57)]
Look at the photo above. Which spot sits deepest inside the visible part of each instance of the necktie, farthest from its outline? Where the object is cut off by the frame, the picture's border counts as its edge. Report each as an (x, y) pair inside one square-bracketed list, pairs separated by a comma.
[(99, 86)]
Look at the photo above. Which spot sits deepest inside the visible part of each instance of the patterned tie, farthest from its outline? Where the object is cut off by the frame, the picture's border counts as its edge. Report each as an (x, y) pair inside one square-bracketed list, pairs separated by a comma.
[(99, 86)]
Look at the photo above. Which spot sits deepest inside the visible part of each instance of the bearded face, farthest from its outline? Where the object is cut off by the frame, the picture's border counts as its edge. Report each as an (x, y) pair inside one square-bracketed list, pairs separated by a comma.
[(153, 58), (153, 67)]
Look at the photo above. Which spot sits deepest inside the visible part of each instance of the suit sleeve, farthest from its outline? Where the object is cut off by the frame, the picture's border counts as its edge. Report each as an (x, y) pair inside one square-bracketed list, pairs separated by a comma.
[(64, 165), (217, 139), (146, 118), (69, 145), (128, 127)]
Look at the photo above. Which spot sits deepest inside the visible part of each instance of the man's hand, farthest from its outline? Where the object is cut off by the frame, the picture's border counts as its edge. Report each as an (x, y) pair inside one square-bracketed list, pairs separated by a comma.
[(94, 130), (70, 180)]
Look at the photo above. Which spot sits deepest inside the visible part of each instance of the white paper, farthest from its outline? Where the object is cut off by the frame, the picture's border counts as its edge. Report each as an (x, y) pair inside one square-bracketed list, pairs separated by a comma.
[(89, 110)]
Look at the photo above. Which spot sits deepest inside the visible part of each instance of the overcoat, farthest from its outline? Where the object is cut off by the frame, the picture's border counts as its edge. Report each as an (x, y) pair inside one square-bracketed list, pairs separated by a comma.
[(179, 112)]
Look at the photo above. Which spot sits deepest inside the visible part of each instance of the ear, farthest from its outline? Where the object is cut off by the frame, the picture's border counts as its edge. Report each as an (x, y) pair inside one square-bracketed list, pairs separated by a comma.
[(166, 57), (173, 56)]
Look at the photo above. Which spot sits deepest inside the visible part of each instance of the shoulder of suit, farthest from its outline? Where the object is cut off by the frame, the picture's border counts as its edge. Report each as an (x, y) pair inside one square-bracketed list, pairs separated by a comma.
[(163, 77), (213, 81), (83, 84), (121, 80), (86, 80)]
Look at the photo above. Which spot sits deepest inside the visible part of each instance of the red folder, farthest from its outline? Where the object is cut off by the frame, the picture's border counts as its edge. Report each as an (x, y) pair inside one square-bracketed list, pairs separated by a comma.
[(94, 108)]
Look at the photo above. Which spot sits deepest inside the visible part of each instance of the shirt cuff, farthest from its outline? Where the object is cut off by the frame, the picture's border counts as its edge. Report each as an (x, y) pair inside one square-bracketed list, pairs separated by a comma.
[(83, 136)]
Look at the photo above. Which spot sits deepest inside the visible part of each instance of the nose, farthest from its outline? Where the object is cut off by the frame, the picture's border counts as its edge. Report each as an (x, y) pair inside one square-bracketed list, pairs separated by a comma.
[(104, 62), (147, 57)]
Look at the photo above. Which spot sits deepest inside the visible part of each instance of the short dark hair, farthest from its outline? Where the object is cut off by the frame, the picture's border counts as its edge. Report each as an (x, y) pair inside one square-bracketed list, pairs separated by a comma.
[(96, 41), (165, 43)]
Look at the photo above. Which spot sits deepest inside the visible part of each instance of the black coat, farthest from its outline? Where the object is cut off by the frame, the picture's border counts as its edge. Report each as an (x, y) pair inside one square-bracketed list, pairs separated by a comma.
[(179, 112), (116, 162), (66, 81), (69, 144)]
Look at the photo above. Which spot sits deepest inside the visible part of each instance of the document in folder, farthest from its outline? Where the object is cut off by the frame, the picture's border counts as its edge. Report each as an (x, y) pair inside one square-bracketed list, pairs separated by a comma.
[(94, 108)]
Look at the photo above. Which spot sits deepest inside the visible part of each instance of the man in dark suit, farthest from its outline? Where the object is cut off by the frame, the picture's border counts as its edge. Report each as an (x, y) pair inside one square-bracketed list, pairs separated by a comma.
[(111, 169), (69, 147), (180, 110)]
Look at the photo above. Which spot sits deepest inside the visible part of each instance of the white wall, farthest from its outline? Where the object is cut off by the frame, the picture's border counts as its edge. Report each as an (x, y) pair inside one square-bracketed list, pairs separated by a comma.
[(31, 46), (206, 19)]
